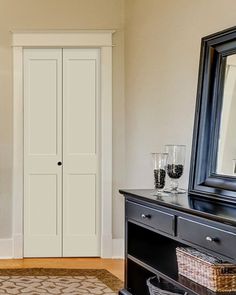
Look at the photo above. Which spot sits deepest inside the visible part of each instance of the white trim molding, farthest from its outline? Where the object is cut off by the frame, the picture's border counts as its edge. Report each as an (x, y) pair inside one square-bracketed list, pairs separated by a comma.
[(99, 39), (118, 248)]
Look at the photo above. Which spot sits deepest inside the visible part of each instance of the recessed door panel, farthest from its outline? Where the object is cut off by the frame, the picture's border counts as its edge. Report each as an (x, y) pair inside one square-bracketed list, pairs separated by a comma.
[(42, 190), (81, 106), (42, 106), (80, 205)]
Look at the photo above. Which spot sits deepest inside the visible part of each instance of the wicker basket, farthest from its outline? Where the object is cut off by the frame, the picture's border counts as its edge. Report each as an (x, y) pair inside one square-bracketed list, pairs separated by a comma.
[(206, 270), (160, 287)]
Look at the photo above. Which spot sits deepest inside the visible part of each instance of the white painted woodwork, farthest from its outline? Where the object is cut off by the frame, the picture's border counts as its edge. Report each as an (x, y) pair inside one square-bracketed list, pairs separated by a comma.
[(42, 151), (88, 38), (18, 143), (81, 224), (61, 202), (101, 39)]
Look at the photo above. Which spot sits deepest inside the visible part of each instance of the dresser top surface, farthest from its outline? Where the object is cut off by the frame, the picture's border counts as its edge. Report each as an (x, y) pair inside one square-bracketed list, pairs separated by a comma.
[(218, 211)]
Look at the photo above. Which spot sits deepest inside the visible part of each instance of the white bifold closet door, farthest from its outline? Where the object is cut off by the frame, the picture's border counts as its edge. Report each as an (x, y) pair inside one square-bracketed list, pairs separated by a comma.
[(61, 126), (80, 152)]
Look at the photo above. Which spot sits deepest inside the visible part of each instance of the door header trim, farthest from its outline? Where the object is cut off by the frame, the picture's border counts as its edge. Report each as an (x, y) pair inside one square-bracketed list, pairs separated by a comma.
[(99, 38)]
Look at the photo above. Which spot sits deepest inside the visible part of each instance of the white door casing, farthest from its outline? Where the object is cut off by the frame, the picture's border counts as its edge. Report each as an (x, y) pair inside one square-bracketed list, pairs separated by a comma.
[(76, 39)]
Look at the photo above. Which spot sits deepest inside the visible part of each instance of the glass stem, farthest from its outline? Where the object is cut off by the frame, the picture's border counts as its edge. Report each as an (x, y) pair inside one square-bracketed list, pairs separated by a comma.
[(174, 184)]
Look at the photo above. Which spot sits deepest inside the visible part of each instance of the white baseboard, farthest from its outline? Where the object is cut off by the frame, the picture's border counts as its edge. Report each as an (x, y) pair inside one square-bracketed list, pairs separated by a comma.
[(11, 248), (17, 246), (106, 246), (118, 249), (6, 246)]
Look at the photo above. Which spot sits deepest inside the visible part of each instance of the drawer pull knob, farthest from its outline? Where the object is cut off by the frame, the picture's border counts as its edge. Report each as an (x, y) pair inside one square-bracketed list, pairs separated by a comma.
[(210, 239), (146, 216)]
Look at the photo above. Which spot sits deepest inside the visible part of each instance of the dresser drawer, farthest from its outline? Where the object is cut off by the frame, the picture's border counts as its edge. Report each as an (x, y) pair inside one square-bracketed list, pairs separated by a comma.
[(156, 219), (207, 236)]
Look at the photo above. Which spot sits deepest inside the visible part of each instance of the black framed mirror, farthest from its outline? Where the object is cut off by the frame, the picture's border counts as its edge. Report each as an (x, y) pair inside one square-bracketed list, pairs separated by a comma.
[(213, 160)]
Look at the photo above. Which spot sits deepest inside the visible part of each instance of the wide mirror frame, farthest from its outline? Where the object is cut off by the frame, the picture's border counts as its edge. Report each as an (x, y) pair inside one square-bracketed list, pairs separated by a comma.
[(204, 181)]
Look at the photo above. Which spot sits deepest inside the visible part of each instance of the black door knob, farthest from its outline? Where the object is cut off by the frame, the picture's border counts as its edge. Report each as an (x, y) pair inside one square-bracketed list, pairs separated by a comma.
[(59, 163)]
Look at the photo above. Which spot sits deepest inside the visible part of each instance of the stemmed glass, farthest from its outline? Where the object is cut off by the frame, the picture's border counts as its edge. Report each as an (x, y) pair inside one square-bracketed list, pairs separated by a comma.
[(159, 169), (175, 166)]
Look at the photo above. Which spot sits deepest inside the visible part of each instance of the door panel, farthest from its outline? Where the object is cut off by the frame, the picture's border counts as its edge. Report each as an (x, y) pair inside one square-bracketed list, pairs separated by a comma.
[(81, 108), (81, 191), (42, 151), (42, 106), (80, 152), (43, 190)]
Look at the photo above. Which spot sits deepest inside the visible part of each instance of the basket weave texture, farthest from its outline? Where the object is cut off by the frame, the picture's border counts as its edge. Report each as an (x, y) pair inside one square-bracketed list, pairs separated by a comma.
[(157, 287), (206, 270)]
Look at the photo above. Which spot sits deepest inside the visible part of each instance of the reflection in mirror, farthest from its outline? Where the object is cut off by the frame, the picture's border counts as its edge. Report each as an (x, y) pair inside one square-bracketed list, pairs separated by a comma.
[(226, 157)]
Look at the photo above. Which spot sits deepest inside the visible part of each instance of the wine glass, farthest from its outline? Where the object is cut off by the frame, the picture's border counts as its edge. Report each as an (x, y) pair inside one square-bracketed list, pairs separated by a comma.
[(175, 166), (159, 169)]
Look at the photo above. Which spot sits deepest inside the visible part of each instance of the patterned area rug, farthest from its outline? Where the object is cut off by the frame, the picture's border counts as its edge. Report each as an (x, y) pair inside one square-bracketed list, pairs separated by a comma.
[(42, 281)]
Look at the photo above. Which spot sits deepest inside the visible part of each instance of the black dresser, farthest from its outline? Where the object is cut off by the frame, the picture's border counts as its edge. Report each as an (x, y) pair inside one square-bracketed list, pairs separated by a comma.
[(155, 226)]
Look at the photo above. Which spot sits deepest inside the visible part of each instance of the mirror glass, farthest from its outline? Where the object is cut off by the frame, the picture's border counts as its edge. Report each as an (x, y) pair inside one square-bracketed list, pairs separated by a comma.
[(226, 155)]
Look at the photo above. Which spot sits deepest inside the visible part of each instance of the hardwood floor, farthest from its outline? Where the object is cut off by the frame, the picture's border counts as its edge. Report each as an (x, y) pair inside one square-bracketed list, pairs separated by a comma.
[(115, 266)]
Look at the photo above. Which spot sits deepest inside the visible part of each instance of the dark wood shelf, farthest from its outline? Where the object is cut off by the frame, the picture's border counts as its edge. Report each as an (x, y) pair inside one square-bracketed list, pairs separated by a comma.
[(182, 282), (153, 243), (147, 266)]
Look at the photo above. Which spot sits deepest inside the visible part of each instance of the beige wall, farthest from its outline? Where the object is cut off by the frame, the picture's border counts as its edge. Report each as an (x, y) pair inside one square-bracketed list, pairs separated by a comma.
[(57, 14), (162, 43)]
